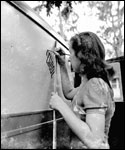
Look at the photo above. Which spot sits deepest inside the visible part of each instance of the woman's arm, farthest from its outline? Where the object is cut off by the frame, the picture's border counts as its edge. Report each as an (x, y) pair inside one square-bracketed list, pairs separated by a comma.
[(68, 89), (90, 132)]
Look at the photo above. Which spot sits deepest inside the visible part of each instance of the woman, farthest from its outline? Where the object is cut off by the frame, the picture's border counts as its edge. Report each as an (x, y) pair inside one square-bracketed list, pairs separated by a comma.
[(92, 102)]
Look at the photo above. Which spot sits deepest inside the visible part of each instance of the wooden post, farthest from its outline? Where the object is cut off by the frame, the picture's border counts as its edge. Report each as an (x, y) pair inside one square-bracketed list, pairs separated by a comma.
[(54, 112), (54, 130)]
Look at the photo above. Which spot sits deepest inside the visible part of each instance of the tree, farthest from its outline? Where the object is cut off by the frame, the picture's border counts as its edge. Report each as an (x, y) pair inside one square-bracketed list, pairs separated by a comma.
[(49, 5), (64, 12), (112, 13)]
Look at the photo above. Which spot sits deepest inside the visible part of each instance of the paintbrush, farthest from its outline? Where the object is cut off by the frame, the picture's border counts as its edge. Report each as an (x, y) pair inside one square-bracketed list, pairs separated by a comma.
[(59, 52)]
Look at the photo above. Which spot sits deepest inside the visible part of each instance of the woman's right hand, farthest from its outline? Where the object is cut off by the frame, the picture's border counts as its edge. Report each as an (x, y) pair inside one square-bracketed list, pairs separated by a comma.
[(60, 56)]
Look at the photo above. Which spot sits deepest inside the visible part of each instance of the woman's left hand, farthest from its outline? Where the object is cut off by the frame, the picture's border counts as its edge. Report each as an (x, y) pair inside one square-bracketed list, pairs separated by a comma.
[(56, 101)]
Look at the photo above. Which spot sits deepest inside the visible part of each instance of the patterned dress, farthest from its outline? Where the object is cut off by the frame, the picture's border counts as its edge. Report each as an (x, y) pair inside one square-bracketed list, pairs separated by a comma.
[(94, 96)]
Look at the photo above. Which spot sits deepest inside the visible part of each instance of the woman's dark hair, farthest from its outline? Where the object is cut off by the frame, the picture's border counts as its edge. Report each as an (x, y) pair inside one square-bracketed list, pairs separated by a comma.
[(91, 52)]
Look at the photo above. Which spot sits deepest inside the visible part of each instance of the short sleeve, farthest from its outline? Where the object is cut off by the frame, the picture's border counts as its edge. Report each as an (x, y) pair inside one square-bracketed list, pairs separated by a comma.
[(95, 97)]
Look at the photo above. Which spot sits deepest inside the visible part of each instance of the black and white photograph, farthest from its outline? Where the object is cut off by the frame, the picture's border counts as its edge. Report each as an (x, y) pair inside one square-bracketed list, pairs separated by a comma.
[(62, 75)]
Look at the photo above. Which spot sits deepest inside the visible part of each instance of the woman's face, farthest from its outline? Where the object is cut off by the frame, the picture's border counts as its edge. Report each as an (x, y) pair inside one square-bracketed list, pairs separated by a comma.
[(74, 60)]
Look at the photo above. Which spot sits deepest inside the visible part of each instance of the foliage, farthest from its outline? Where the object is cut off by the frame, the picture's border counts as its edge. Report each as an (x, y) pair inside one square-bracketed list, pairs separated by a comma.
[(50, 4), (111, 13)]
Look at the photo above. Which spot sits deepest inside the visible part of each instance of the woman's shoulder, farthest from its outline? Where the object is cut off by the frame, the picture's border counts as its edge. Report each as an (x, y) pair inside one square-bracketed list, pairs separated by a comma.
[(96, 94), (98, 85)]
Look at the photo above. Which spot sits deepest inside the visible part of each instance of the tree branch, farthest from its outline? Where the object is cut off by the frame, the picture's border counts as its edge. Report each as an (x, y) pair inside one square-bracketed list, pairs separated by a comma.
[(106, 40)]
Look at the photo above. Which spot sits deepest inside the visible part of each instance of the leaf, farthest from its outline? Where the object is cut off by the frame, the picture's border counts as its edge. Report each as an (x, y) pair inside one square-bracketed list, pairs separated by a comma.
[(107, 30)]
